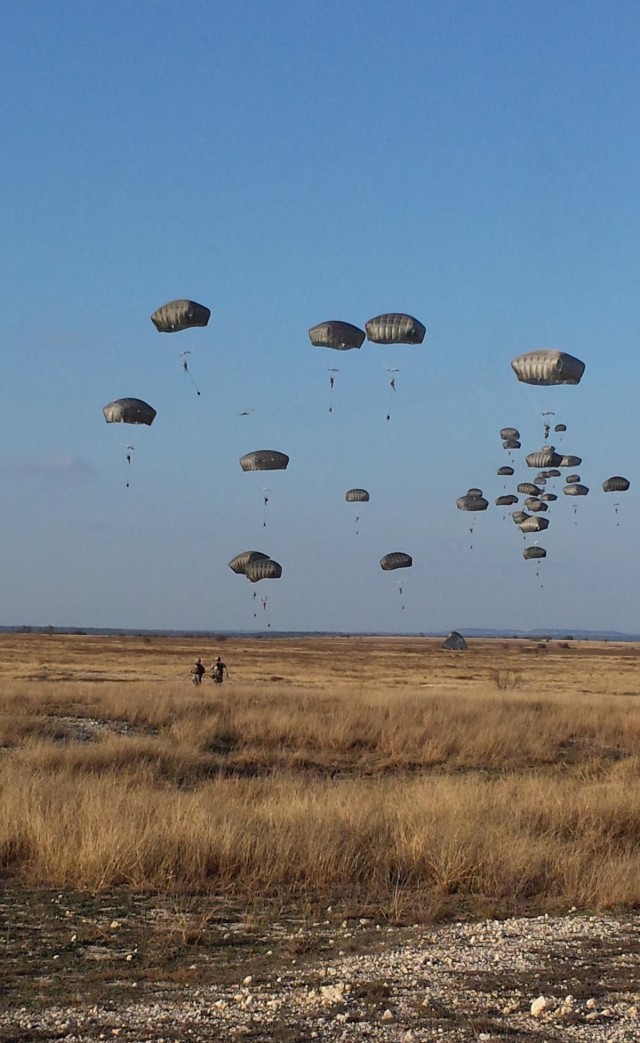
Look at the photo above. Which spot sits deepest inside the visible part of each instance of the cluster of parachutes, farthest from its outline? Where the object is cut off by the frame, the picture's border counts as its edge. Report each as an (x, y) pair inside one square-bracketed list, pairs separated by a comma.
[(543, 367)]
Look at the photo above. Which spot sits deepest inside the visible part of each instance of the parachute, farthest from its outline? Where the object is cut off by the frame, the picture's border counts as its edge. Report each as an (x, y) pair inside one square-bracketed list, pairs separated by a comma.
[(534, 524), (576, 490), (508, 433), (505, 471), (546, 366), (180, 315), (395, 328), (528, 489), (506, 501), (569, 461), (473, 501), (532, 503), (560, 427), (519, 516), (129, 411), (356, 496), (335, 334), (511, 443), (264, 460), (545, 457), (396, 560), (548, 497), (572, 479), (553, 473), (455, 642), (616, 484), (247, 557), (262, 568), (533, 552)]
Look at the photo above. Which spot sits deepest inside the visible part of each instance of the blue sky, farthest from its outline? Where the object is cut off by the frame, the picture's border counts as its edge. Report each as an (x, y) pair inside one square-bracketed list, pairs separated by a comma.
[(474, 164)]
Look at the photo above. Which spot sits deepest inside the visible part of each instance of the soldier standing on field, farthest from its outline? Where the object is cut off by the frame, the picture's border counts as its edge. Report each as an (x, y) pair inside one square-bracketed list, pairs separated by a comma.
[(218, 670)]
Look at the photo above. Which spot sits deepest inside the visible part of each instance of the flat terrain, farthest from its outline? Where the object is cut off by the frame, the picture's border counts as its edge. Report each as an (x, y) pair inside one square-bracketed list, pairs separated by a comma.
[(357, 825)]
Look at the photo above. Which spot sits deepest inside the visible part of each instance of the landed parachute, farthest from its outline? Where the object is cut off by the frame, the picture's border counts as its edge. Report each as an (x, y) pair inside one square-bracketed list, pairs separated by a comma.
[(247, 557), (547, 366), (395, 328), (129, 411), (335, 334), (180, 315), (264, 460), (396, 560), (262, 568)]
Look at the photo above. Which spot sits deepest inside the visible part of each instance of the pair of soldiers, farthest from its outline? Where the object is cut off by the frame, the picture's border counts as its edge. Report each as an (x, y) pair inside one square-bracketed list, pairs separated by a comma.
[(218, 670)]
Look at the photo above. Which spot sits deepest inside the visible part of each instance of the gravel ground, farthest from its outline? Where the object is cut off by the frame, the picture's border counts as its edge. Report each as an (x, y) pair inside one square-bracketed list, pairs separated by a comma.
[(570, 978)]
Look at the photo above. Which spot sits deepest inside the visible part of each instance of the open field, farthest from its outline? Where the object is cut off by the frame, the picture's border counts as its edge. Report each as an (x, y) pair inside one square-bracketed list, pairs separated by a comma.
[(381, 778)]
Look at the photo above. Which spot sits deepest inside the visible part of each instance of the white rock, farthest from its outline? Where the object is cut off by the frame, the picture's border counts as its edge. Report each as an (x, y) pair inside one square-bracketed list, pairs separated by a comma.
[(590, 1004), (538, 1006), (387, 1016), (114, 925), (247, 980)]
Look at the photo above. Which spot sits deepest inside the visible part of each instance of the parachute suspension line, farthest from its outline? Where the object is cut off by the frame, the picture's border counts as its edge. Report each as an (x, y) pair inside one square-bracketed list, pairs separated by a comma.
[(129, 449), (185, 369), (332, 381)]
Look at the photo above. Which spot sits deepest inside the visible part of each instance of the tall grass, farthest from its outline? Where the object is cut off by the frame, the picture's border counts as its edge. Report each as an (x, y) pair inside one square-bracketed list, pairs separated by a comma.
[(411, 800)]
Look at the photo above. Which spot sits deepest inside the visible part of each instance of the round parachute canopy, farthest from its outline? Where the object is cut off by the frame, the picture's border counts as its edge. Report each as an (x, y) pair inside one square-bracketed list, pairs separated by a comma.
[(553, 473), (616, 484), (570, 461), (534, 524), (129, 411), (264, 460), (528, 489), (572, 479), (548, 366), (511, 443), (334, 334), (395, 328), (396, 560), (240, 562), (474, 492), (548, 497), (356, 496), (560, 427), (180, 315), (576, 490), (545, 457), (506, 501), (519, 516), (471, 503), (534, 552), (263, 568), (507, 433), (532, 503), (505, 471), (541, 476)]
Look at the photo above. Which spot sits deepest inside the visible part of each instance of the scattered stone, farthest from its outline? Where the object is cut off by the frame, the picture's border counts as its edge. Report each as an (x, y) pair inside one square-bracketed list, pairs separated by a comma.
[(539, 1006)]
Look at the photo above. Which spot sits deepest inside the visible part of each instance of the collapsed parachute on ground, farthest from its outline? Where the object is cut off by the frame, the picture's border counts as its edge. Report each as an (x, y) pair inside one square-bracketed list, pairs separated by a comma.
[(616, 484), (335, 334), (576, 490), (534, 524), (534, 552), (396, 560), (547, 366), (247, 557), (508, 433), (455, 642), (262, 568), (506, 501), (264, 460), (129, 411), (180, 315), (395, 328), (505, 471), (356, 496)]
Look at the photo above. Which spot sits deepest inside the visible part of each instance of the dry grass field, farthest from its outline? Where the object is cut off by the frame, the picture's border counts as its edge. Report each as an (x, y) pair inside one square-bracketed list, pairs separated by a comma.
[(381, 773), (158, 839)]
